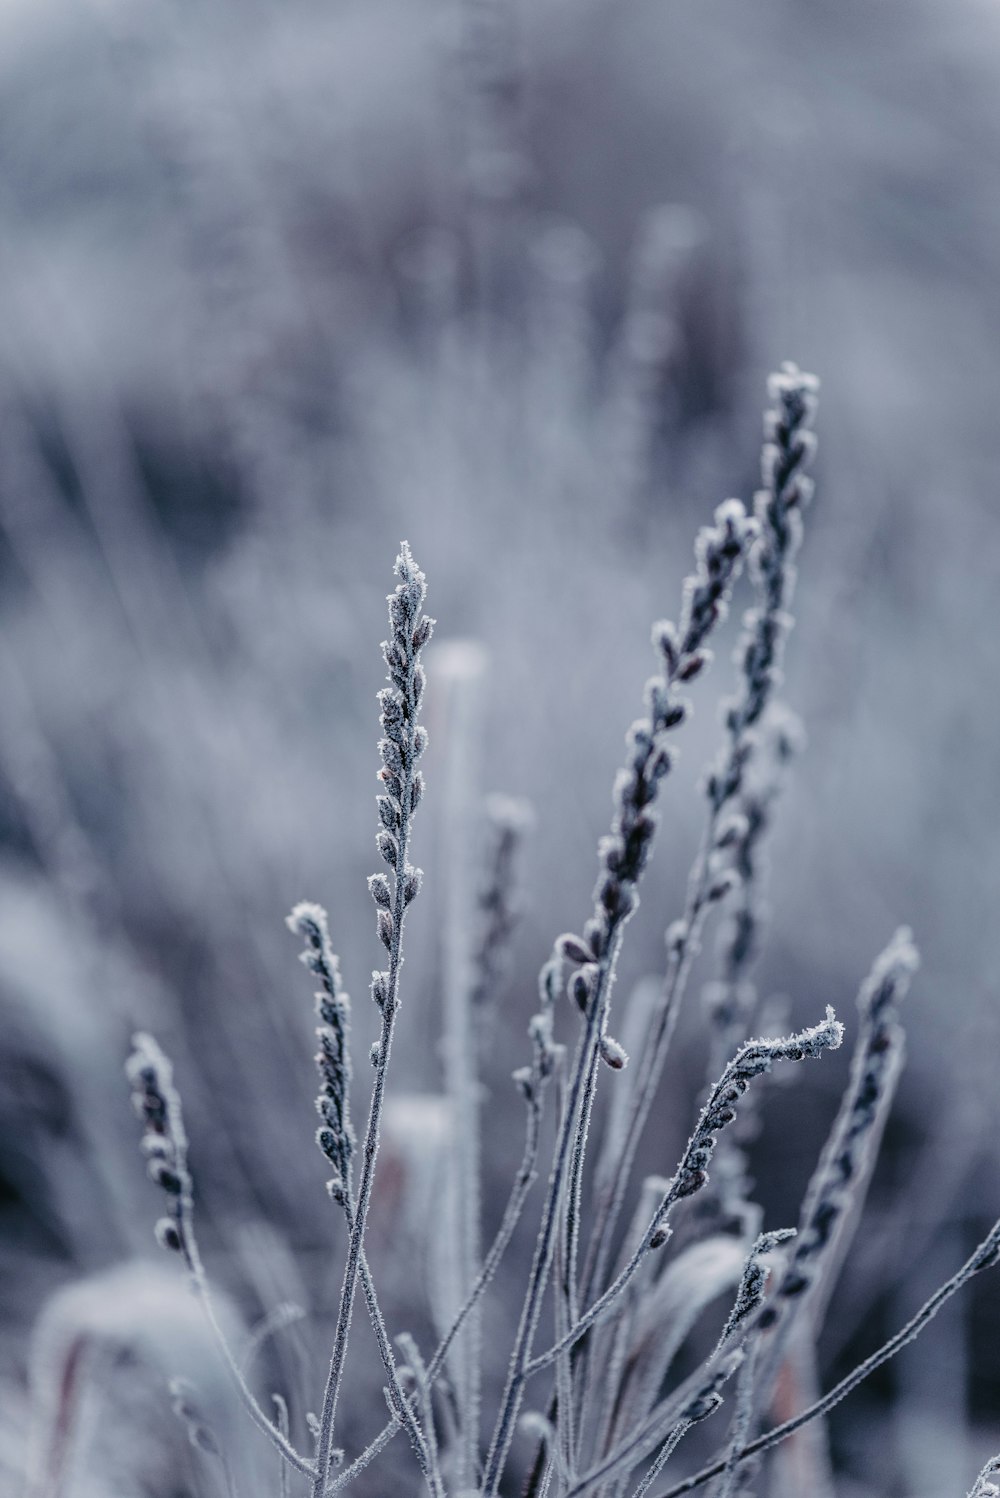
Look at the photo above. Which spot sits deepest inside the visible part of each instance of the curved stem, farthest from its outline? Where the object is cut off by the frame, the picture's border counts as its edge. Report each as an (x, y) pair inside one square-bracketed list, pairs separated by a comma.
[(983, 1258)]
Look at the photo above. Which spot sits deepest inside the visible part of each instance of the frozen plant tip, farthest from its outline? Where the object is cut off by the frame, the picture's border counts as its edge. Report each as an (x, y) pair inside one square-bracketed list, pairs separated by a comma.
[(985, 1486), (404, 741), (164, 1142), (335, 1135), (756, 1057)]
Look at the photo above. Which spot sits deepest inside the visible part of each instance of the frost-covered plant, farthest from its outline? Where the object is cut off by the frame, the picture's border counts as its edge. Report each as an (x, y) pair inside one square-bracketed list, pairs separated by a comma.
[(611, 1415)]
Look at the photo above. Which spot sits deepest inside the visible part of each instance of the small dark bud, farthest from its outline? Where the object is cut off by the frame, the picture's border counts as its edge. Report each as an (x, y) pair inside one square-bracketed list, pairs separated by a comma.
[(613, 1054), (524, 1082), (202, 1439), (611, 850), (423, 632), (394, 656), (550, 980), (385, 928), (400, 611), (168, 1235), (378, 884), (165, 1178), (380, 988), (660, 1235), (656, 697), (388, 847), (411, 888), (391, 757), (390, 705), (388, 813), (732, 830), (574, 948), (692, 665), (419, 740), (692, 1181), (677, 935), (327, 1141), (666, 642), (661, 763), (416, 790), (595, 935), (582, 985), (722, 885)]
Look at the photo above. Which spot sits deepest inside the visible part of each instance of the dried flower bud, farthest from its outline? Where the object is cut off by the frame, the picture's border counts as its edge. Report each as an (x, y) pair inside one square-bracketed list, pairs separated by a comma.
[(613, 1054), (168, 1235), (666, 641), (574, 948), (388, 847), (692, 665), (524, 1081), (388, 813), (423, 632), (722, 885)]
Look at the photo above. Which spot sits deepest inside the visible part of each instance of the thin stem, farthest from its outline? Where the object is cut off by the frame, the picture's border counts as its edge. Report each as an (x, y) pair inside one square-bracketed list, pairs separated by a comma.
[(400, 752), (281, 1414), (742, 1418), (754, 1058), (984, 1257), (524, 1180), (538, 1278), (617, 1171), (425, 1400), (664, 1454), (370, 1151), (399, 1401), (199, 1280)]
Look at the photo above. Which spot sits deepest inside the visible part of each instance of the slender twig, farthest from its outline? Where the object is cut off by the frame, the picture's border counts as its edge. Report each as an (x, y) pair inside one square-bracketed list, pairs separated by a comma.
[(788, 449), (335, 1136), (425, 1400), (400, 750), (985, 1487), (158, 1104), (285, 1314), (691, 1174), (836, 1190), (624, 854), (985, 1257), (281, 1419), (531, 1081)]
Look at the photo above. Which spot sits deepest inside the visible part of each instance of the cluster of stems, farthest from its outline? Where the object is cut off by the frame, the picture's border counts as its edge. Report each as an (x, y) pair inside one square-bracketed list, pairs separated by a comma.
[(596, 1308)]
